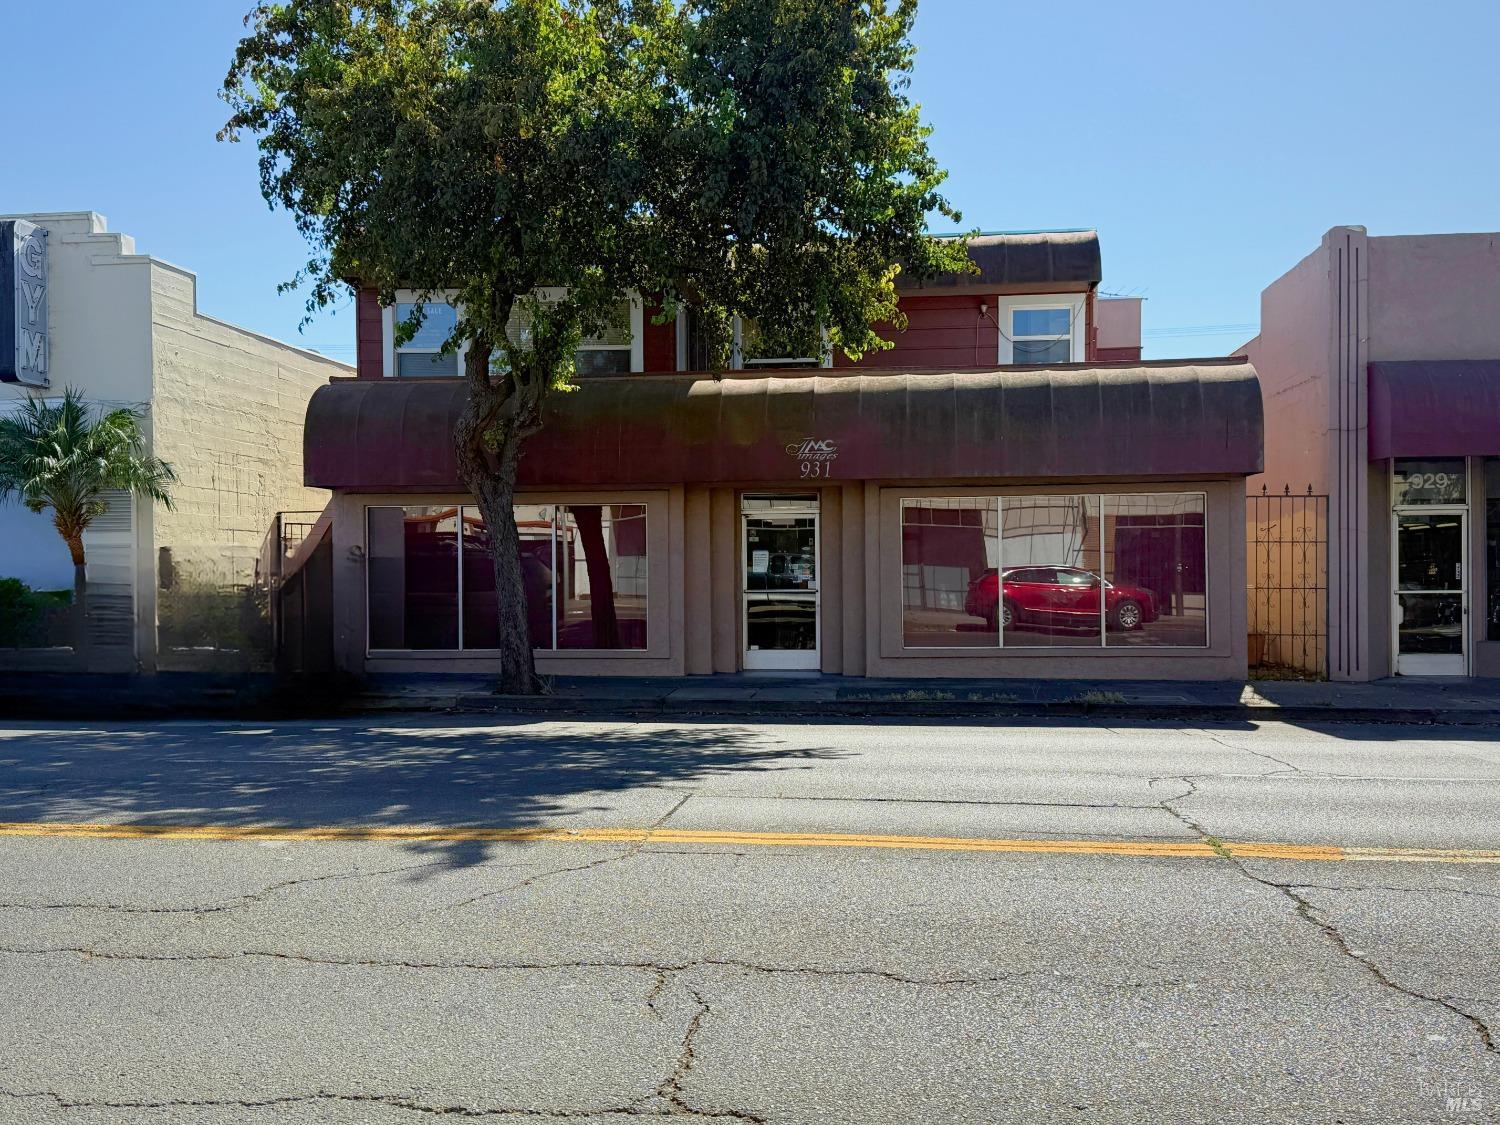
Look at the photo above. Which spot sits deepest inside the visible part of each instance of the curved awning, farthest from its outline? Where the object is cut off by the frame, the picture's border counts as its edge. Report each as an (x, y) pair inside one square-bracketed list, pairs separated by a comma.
[(1154, 420), (1437, 408)]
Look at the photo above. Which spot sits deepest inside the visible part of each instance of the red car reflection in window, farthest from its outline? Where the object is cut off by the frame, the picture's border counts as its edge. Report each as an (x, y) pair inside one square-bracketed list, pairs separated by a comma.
[(1056, 595)]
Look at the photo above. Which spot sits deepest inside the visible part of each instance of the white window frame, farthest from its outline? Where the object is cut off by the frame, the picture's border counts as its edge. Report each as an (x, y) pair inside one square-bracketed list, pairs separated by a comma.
[(636, 347), (1007, 307), (738, 362)]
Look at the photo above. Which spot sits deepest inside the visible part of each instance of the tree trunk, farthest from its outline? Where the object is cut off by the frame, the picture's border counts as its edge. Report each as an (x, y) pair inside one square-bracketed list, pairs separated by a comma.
[(491, 421), (606, 624), (81, 639)]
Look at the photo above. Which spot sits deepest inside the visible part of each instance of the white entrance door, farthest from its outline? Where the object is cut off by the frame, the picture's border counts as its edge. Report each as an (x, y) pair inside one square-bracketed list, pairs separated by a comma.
[(1431, 597), (780, 586)]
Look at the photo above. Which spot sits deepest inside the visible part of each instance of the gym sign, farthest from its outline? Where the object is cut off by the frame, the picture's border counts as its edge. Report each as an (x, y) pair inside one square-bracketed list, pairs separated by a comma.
[(23, 303)]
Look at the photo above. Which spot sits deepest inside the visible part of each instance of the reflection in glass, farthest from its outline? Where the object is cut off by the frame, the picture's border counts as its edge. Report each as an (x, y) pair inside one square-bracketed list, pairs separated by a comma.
[(481, 607), (413, 577), (1155, 562), (603, 577), (781, 622), (1050, 588), (1430, 623), (949, 552)]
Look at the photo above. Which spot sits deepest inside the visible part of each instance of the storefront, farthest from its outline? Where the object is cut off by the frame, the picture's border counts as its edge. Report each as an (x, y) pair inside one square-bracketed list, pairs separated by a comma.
[(1435, 452), (1066, 521)]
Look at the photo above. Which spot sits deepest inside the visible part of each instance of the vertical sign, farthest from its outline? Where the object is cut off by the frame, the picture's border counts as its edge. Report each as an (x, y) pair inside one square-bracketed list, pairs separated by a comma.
[(24, 345)]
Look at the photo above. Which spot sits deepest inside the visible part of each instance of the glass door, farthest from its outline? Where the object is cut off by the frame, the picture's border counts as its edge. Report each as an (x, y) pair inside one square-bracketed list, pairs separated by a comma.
[(1431, 610), (780, 591)]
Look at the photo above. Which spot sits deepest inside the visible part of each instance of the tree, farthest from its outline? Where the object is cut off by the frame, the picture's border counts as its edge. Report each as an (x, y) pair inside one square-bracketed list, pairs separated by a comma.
[(536, 158), (63, 456)]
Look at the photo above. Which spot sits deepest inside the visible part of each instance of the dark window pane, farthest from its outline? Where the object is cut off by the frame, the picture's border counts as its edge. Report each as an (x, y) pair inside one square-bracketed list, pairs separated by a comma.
[(1054, 605), (409, 364), (1156, 566), (1431, 623), (948, 559), (781, 622), (413, 577), (603, 361), (1041, 351), (781, 553), (481, 607), (1429, 552), (603, 576)]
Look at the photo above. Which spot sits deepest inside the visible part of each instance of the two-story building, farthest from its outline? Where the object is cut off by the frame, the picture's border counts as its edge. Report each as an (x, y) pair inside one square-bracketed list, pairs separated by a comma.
[(1380, 358), (1008, 491), (169, 588)]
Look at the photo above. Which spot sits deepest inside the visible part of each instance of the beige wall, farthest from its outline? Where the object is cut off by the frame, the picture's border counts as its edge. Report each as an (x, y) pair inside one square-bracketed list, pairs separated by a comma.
[(1119, 322), (694, 615), (228, 413)]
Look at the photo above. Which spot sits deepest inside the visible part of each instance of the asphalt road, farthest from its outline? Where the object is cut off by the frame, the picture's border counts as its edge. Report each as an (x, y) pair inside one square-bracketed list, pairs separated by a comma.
[(765, 976)]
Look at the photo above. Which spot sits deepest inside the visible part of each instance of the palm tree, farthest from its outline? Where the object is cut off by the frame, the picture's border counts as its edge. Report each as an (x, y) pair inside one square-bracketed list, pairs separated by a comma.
[(64, 456)]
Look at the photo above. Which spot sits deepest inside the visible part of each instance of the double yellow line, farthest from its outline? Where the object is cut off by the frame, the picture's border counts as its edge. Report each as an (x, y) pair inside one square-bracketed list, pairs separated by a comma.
[(1174, 849)]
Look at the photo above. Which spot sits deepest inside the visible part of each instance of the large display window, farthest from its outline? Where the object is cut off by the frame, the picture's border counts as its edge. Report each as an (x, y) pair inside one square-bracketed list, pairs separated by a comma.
[(432, 583), (1055, 571)]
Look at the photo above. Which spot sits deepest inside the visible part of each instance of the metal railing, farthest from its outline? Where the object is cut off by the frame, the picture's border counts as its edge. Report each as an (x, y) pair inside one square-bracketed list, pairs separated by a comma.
[(1287, 579)]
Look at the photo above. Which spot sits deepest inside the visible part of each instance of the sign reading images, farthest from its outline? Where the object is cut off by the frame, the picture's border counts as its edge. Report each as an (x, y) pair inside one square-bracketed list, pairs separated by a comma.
[(814, 456), (24, 345)]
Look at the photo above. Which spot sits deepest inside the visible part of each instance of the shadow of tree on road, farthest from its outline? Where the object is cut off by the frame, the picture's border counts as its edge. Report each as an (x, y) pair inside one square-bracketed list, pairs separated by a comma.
[(428, 772)]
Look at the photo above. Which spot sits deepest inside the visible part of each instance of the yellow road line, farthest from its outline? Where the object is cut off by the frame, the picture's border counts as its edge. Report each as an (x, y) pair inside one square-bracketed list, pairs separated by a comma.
[(1172, 849)]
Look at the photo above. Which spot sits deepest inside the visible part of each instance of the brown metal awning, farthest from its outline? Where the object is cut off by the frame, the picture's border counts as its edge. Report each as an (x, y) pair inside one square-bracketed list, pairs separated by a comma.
[(1154, 420), (1437, 408), (1039, 261)]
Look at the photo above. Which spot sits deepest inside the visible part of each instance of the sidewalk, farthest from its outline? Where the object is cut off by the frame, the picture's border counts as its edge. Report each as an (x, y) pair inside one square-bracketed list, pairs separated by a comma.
[(1448, 701), (188, 695)]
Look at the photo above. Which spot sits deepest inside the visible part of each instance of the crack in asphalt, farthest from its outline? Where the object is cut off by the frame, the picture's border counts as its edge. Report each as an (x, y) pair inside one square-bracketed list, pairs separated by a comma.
[(1286, 767), (928, 801), (222, 905), (1308, 912), (625, 853), (631, 1110)]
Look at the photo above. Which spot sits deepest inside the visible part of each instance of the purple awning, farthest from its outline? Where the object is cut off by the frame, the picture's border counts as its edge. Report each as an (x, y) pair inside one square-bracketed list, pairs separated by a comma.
[(1437, 408), (1068, 422)]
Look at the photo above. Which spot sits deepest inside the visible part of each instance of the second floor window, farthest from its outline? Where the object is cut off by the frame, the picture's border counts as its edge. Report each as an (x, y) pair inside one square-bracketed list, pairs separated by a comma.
[(421, 355), (1041, 335)]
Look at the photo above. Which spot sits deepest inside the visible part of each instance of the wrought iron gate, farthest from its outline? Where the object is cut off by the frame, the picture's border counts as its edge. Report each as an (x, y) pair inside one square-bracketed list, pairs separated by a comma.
[(1287, 535)]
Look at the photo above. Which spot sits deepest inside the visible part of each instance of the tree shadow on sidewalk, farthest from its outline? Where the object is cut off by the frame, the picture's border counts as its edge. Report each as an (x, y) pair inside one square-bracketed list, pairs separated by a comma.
[(428, 772)]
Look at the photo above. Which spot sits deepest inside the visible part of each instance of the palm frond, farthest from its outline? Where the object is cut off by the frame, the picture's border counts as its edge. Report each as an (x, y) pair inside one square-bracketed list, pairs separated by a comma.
[(63, 455)]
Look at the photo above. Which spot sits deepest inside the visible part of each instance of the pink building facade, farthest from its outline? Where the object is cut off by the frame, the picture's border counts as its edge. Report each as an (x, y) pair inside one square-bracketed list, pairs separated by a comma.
[(1379, 359)]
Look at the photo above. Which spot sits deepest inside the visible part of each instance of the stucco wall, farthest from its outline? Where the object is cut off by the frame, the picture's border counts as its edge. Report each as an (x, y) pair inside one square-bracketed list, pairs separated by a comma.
[(1435, 296), (228, 412), (1291, 357)]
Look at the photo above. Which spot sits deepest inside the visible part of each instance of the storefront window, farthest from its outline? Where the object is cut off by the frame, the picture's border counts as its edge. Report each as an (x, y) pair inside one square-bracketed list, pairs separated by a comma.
[(949, 552), (1155, 561), (1054, 571), (603, 576), (413, 577), (584, 568), (1428, 482), (1492, 547), (1049, 556)]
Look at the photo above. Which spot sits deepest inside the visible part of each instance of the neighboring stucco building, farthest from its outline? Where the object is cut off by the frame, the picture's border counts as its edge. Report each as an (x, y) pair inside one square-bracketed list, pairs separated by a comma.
[(1380, 362), (987, 498), (224, 406)]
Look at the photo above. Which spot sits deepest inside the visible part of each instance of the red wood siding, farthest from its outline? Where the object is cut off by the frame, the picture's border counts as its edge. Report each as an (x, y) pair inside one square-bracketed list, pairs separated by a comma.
[(941, 331), (659, 341), (369, 341), (1119, 355)]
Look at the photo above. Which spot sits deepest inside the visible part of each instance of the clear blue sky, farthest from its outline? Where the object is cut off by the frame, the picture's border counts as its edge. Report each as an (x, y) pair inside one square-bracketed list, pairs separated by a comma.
[(1210, 144)]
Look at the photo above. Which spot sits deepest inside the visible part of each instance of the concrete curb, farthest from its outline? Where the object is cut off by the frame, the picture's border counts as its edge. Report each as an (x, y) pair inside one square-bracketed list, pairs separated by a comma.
[(561, 707)]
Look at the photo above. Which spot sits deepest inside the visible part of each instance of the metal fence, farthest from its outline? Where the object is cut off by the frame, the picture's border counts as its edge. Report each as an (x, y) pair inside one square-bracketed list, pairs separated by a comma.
[(1287, 536)]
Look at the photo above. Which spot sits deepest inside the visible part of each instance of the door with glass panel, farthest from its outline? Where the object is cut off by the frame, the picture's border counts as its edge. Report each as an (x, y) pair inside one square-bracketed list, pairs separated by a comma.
[(1431, 603), (780, 582)]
